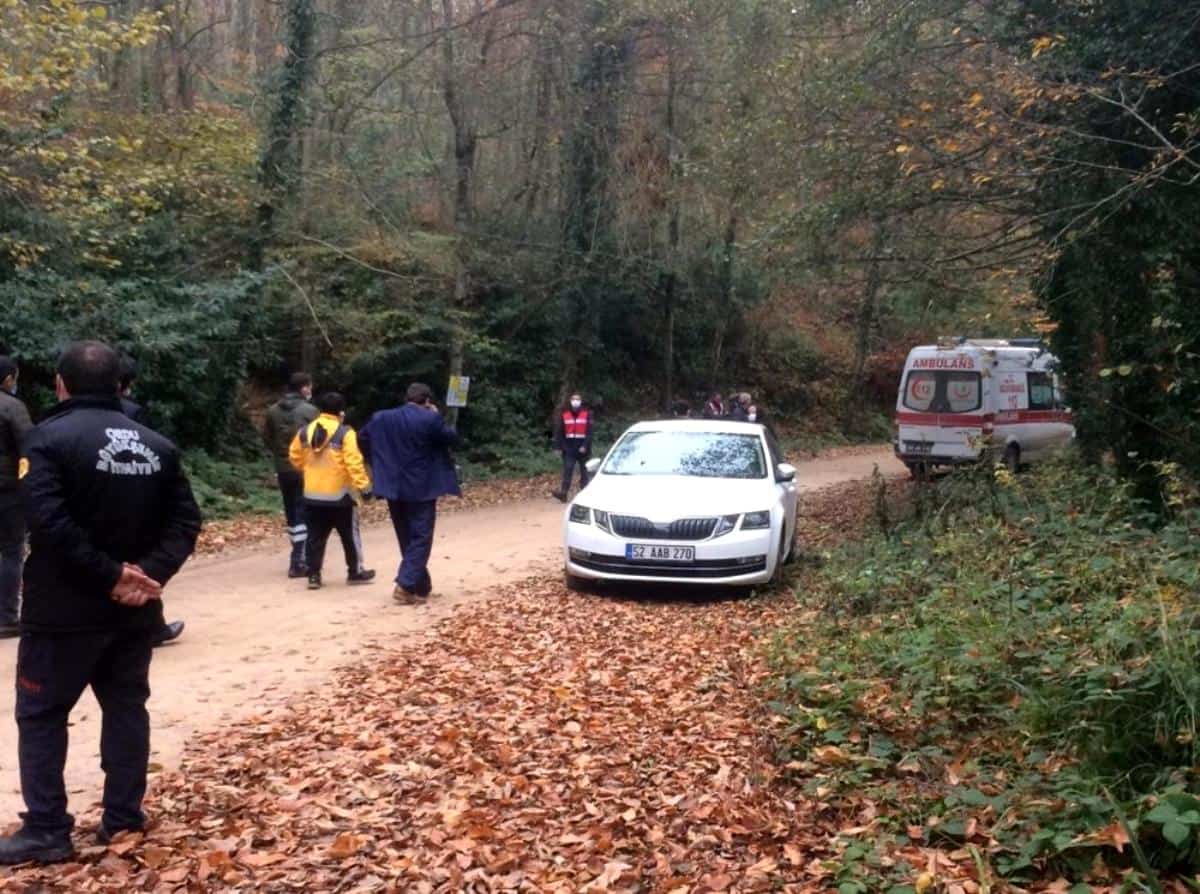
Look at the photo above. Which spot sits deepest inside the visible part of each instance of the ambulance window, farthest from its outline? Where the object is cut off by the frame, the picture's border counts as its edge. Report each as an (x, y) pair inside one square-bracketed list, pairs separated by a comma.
[(920, 390), (1041, 391), (962, 391)]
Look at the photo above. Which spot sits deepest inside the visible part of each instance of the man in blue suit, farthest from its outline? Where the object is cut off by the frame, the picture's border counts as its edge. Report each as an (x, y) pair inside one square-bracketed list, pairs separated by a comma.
[(408, 449)]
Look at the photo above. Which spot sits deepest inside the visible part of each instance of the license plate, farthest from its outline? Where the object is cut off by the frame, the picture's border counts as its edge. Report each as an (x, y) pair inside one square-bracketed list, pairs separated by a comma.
[(645, 552), (918, 448)]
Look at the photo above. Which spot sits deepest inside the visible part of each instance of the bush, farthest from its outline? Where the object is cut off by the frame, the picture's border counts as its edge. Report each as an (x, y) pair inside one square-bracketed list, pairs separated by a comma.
[(1044, 630), (225, 488)]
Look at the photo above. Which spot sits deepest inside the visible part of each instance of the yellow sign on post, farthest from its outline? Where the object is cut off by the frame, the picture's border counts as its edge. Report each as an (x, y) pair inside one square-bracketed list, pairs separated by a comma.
[(456, 394)]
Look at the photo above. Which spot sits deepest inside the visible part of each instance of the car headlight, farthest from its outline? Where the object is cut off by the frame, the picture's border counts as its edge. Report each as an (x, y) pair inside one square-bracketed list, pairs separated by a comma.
[(725, 524), (756, 520), (581, 515), (601, 519)]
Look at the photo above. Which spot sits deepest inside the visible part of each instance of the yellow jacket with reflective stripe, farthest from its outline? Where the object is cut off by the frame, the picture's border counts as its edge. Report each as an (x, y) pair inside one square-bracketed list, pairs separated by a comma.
[(326, 452)]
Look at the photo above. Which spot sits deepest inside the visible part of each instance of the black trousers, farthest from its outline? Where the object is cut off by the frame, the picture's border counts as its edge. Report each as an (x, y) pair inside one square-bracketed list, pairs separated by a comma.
[(291, 488), (12, 554), (572, 458), (414, 523), (324, 520), (53, 669)]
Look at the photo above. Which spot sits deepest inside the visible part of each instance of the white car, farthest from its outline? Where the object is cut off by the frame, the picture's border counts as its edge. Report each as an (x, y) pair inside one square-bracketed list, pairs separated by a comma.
[(684, 501)]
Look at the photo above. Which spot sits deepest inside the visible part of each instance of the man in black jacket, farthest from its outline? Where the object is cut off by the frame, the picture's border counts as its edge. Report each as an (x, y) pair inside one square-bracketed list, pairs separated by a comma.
[(170, 630), (285, 417), (111, 519), (15, 424)]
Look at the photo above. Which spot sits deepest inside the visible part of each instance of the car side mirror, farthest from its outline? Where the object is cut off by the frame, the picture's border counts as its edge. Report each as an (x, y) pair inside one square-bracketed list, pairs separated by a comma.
[(592, 466), (785, 472)]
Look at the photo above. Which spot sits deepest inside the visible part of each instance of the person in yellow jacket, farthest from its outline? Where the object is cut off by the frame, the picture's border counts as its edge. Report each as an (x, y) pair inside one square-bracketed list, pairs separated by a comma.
[(326, 453)]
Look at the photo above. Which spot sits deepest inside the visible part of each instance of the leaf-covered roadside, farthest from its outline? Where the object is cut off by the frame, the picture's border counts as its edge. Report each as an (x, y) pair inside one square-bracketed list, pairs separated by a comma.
[(537, 742), (1012, 675)]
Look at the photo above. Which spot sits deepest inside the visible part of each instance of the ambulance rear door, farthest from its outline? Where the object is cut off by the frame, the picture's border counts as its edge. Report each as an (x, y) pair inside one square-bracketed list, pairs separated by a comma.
[(941, 408)]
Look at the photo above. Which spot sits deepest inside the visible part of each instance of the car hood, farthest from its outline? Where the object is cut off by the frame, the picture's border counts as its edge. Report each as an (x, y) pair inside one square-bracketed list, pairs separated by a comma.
[(663, 498)]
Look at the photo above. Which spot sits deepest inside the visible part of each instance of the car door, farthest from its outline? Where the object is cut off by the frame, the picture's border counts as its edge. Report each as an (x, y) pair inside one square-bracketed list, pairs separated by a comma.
[(1041, 418), (786, 490)]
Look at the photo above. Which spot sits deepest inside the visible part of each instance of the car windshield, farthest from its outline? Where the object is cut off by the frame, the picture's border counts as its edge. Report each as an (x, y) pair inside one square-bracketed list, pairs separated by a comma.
[(699, 454)]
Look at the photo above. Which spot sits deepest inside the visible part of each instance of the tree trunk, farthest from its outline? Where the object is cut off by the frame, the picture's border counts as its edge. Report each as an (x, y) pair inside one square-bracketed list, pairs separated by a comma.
[(669, 286), (725, 302), (588, 159), (866, 323), (278, 164), (464, 142), (264, 37)]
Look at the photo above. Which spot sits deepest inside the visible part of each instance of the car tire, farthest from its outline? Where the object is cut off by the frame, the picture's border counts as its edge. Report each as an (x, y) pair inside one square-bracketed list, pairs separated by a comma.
[(1012, 458), (793, 551), (576, 584), (777, 571)]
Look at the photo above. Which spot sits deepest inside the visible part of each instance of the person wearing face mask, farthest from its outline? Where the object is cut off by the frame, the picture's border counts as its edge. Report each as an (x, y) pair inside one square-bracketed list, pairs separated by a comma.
[(573, 439), (15, 424)]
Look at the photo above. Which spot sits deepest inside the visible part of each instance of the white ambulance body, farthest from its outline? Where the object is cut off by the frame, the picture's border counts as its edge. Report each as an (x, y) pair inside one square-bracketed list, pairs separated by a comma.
[(963, 397)]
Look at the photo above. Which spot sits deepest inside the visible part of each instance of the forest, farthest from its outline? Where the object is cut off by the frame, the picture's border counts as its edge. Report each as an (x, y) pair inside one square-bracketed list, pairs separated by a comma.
[(642, 199)]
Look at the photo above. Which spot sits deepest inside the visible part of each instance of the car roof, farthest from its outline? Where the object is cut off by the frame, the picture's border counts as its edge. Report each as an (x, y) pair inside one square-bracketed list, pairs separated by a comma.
[(719, 426)]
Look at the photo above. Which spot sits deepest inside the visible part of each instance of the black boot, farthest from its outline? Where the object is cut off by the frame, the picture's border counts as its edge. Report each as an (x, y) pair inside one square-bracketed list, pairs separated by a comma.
[(168, 633), (298, 567), (32, 846)]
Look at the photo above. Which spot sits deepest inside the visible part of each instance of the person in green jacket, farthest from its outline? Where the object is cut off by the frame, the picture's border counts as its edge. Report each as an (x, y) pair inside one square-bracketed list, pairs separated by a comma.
[(284, 418)]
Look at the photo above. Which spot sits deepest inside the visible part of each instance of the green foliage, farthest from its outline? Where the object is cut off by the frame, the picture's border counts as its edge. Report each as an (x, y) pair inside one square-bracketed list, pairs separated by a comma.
[(194, 342), (1120, 217), (1042, 635), (226, 488)]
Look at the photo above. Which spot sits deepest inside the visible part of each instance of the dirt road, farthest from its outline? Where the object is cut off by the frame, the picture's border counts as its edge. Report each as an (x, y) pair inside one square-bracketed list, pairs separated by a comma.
[(255, 638)]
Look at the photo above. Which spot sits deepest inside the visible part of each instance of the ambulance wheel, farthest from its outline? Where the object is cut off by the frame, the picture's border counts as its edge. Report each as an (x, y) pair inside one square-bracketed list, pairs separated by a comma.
[(919, 471), (1012, 458)]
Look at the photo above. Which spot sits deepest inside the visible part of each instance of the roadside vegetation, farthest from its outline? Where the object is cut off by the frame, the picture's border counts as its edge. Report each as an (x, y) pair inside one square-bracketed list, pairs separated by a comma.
[(1009, 673)]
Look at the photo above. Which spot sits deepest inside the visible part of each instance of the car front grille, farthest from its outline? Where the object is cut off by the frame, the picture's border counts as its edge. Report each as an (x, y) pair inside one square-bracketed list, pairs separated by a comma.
[(619, 565), (635, 528)]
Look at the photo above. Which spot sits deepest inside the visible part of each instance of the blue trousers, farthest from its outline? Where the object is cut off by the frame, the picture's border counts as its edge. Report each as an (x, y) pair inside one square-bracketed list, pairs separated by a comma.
[(53, 669), (414, 523)]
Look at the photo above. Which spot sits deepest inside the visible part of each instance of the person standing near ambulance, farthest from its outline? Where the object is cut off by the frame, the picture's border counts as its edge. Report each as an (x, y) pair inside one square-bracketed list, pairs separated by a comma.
[(15, 424), (111, 520), (573, 439)]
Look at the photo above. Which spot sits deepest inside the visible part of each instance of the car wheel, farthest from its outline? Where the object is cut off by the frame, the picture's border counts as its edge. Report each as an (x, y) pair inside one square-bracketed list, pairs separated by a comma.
[(575, 583), (780, 561), (793, 550), (1012, 458)]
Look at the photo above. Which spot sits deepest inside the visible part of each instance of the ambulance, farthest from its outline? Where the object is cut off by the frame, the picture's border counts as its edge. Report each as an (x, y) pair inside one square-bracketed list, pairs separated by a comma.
[(963, 400)]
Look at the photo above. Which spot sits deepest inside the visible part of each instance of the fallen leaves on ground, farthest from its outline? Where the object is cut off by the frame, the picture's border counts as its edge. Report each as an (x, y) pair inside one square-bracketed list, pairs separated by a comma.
[(831, 515), (254, 529), (540, 741)]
